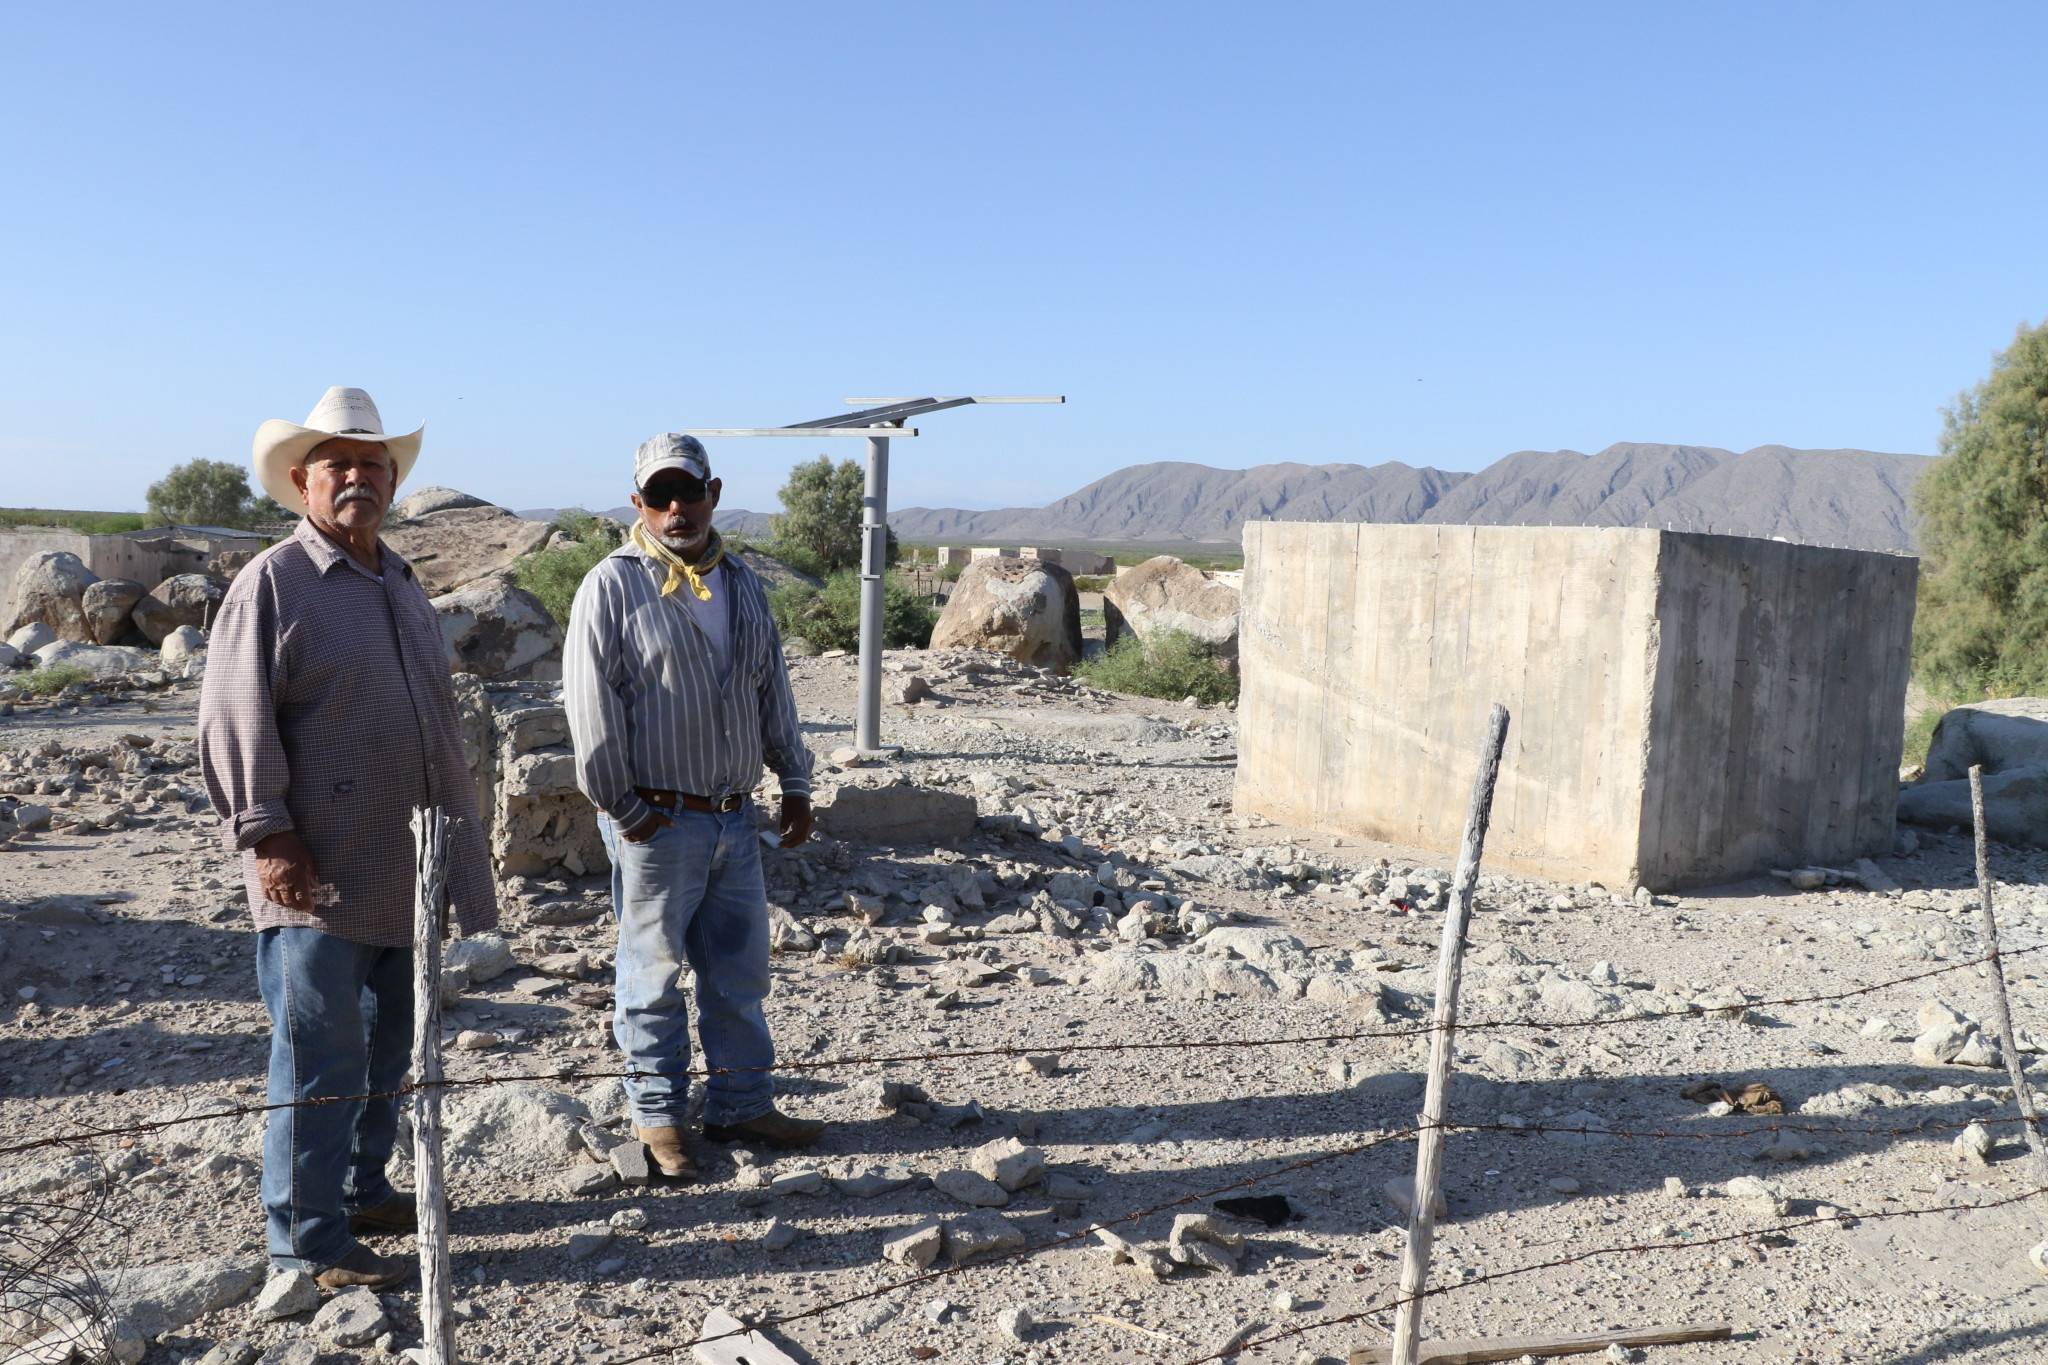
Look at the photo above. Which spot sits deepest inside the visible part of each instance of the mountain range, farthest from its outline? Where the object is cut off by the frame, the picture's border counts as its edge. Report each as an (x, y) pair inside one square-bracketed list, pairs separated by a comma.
[(1855, 498)]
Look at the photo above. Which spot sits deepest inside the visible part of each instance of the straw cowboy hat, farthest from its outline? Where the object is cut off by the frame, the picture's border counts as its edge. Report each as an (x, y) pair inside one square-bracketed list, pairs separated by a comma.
[(281, 446)]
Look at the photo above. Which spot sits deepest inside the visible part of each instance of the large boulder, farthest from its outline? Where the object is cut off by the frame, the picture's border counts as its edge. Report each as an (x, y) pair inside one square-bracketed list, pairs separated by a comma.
[(1998, 734), (102, 661), (107, 604), (1163, 595), (2010, 740), (180, 649), (185, 599), (496, 630), (31, 638), (49, 589), (428, 501), (2015, 805), (1025, 608), (450, 548)]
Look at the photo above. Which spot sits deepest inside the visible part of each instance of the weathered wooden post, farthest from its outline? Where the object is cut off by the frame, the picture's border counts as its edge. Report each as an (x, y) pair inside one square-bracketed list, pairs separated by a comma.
[(429, 913), (1987, 924), (1449, 970)]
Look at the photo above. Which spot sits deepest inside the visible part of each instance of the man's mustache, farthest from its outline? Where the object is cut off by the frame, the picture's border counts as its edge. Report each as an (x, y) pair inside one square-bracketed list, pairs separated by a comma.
[(355, 494)]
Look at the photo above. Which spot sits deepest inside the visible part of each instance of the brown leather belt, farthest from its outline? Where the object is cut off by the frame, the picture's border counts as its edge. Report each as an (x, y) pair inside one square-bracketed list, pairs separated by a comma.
[(667, 800)]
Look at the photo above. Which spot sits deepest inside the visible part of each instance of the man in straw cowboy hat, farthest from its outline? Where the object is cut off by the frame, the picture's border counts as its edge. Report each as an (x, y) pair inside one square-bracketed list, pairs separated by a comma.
[(676, 691), (325, 718)]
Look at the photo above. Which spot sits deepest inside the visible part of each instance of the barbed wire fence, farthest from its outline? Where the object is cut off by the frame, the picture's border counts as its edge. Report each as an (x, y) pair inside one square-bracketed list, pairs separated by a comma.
[(40, 1244)]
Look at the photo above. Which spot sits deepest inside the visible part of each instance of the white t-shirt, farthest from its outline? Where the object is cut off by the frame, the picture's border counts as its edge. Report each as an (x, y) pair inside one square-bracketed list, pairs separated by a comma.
[(711, 616)]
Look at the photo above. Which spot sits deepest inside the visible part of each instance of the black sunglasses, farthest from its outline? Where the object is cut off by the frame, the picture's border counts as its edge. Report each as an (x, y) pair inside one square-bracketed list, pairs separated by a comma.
[(659, 495)]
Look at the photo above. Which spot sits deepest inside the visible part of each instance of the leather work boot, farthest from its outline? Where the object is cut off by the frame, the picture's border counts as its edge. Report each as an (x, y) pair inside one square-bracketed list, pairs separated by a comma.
[(398, 1214), (775, 1128), (665, 1146), (365, 1267)]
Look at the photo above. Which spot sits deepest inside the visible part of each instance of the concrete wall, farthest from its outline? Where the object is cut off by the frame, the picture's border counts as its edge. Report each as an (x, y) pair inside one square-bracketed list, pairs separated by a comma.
[(1665, 690)]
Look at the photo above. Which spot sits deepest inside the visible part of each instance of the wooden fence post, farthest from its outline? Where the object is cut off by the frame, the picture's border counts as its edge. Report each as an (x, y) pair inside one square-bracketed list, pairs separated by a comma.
[(430, 898), (1449, 971), (1987, 924)]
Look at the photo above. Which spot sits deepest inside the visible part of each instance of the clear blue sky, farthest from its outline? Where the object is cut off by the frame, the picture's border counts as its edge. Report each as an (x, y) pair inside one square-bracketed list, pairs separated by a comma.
[(1231, 234)]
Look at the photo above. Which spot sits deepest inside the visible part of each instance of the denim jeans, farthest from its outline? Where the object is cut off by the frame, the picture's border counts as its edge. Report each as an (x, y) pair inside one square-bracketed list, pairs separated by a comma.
[(340, 1024), (692, 893)]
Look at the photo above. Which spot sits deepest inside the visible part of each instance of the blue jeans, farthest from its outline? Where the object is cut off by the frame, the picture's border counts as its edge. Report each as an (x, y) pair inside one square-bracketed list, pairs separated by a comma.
[(340, 1024), (692, 893)]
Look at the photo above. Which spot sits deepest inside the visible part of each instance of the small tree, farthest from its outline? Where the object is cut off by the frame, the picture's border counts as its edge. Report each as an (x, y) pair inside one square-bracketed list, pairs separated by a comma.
[(1982, 624), (821, 511), (209, 493)]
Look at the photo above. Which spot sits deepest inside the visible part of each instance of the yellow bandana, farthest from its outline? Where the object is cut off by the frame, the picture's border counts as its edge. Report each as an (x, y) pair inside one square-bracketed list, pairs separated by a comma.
[(681, 570)]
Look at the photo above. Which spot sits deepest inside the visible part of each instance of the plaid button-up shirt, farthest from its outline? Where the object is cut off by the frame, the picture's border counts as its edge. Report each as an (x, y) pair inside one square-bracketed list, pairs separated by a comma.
[(326, 709), (651, 704)]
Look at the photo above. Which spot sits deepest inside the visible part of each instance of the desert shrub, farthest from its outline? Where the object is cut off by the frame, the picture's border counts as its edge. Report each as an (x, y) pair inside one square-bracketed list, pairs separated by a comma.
[(45, 682), (829, 617), (1172, 666), (552, 575), (1092, 583)]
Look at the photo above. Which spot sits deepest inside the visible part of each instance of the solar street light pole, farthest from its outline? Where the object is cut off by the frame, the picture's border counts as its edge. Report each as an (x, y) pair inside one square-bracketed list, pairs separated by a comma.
[(874, 563), (880, 422)]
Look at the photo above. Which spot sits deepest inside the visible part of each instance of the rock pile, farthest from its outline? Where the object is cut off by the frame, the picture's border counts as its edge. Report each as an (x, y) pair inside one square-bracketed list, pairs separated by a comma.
[(537, 823), (67, 615)]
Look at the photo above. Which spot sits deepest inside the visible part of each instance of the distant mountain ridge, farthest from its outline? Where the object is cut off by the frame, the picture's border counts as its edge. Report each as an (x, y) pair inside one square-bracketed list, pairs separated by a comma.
[(1855, 498)]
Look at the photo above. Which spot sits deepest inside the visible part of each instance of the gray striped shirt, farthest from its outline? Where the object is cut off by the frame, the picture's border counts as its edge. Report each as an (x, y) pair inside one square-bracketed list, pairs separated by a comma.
[(649, 704)]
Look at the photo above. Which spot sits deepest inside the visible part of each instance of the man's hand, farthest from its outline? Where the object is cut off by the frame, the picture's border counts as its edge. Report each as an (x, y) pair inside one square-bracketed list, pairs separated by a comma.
[(795, 820), (284, 869), (646, 829)]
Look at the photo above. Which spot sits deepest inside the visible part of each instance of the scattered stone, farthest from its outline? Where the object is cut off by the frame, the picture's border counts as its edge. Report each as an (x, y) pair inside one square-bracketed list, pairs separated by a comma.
[(232, 1352), (1009, 1163), (871, 1183), (477, 1040), (779, 1236), (631, 1162), (596, 1179), (980, 1234), (286, 1294), (1147, 1259), (971, 1187), (1016, 1323), (1563, 1184), (1758, 1196), (353, 1317), (481, 958), (1973, 1145), (917, 1248), (797, 1182)]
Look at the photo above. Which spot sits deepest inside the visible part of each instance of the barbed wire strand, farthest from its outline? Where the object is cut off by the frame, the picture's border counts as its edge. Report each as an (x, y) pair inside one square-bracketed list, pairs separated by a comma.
[(1688, 1244), (1065, 1047)]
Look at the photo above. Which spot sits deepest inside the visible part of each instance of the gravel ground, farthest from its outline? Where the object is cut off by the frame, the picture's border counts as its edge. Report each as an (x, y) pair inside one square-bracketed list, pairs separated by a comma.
[(129, 992)]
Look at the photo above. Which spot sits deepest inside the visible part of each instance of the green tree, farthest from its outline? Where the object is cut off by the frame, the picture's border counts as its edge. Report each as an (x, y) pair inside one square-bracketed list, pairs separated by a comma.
[(1982, 624), (209, 493), (819, 529)]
